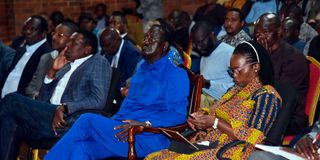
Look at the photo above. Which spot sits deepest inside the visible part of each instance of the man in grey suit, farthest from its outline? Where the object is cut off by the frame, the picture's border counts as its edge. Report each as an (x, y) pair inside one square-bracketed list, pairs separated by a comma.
[(60, 38), (77, 80)]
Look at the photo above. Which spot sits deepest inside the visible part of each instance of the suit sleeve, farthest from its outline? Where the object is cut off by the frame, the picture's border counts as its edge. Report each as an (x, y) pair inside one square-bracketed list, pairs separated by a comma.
[(176, 99), (98, 84)]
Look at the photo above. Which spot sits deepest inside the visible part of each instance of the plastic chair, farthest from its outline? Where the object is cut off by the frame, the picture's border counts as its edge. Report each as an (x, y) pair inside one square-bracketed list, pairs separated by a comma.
[(195, 98), (312, 96)]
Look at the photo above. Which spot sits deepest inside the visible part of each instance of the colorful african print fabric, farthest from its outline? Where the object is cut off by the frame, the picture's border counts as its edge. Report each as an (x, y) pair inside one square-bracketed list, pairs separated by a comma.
[(250, 111)]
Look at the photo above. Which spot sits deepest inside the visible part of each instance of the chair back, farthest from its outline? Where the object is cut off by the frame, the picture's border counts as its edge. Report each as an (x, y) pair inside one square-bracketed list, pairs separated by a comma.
[(289, 100), (313, 89), (194, 97), (186, 60)]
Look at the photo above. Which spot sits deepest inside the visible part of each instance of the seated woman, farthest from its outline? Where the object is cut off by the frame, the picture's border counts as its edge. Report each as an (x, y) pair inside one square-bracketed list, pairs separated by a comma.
[(157, 97), (246, 112)]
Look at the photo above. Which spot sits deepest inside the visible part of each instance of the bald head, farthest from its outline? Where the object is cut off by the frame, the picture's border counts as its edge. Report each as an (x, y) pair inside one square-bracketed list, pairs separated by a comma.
[(268, 31), (110, 40)]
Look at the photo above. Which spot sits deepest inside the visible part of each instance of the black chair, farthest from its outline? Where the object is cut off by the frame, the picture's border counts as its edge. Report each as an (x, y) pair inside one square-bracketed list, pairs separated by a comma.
[(109, 109)]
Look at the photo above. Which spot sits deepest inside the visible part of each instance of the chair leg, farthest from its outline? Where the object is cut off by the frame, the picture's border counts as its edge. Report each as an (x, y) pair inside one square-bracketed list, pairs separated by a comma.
[(35, 154)]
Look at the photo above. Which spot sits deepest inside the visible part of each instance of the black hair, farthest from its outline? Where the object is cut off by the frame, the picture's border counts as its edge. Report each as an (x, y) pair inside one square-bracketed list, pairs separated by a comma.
[(167, 29), (56, 17), (90, 39), (121, 15), (43, 26), (202, 25), (102, 5), (241, 15), (85, 15), (266, 74), (72, 27), (294, 23)]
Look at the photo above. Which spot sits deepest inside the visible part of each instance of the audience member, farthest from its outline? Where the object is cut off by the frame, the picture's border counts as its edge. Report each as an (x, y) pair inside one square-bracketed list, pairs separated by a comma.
[(305, 147), (306, 31), (246, 112), (214, 62), (233, 25), (181, 31), (60, 38), (119, 22), (157, 97), (29, 49), (260, 7), (56, 18), (211, 12), (77, 80), (315, 48), (123, 57), (289, 65), (87, 22), (101, 16), (291, 30), (6, 56)]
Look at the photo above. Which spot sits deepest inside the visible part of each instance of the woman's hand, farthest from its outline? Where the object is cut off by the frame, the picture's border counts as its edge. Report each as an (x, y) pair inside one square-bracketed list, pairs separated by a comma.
[(123, 134), (200, 121)]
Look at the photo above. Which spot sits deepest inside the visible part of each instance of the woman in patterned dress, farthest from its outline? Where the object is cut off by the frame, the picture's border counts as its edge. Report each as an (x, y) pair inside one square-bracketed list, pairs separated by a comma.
[(246, 112)]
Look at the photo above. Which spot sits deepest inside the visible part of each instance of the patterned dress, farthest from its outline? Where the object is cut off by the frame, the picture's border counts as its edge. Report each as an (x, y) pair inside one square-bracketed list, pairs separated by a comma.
[(250, 111)]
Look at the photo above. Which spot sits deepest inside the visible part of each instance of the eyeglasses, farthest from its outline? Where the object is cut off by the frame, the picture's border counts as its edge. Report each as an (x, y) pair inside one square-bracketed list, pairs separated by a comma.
[(231, 71), (60, 35)]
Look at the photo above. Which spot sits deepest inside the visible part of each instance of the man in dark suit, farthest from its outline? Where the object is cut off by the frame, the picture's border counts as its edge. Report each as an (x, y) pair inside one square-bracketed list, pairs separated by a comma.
[(77, 80), (123, 57), (29, 48), (119, 22), (121, 53)]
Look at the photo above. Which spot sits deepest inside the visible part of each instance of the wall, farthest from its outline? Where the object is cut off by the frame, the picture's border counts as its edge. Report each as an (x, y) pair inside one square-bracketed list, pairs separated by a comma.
[(14, 12)]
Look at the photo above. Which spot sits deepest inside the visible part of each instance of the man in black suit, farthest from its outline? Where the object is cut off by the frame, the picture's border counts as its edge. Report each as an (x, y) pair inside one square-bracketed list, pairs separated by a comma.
[(29, 49)]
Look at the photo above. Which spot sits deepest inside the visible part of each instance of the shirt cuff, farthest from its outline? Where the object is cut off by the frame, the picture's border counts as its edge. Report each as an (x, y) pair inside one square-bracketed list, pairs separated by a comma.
[(47, 80)]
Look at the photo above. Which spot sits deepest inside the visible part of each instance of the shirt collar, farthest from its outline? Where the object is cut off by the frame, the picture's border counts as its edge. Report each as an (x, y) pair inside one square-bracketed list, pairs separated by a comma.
[(32, 48), (123, 35), (80, 60)]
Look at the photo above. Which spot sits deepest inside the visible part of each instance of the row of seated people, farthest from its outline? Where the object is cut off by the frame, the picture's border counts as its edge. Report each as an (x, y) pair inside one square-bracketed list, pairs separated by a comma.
[(204, 43)]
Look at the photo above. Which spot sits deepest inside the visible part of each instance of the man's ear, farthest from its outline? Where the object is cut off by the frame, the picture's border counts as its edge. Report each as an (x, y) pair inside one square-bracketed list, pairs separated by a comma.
[(88, 50)]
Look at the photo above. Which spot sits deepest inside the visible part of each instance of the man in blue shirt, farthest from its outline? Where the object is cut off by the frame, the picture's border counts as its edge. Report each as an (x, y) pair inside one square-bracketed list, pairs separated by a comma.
[(214, 63), (157, 97)]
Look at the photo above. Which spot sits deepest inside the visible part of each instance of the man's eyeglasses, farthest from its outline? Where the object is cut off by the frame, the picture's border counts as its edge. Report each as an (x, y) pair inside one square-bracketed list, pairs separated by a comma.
[(60, 35), (231, 71)]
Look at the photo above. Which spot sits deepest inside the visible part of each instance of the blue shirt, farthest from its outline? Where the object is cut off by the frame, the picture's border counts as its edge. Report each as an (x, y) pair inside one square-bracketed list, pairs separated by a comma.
[(158, 93), (259, 8), (215, 69)]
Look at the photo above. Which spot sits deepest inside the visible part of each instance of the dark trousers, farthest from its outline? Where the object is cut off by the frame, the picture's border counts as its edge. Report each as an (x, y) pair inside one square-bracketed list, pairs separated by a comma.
[(23, 118)]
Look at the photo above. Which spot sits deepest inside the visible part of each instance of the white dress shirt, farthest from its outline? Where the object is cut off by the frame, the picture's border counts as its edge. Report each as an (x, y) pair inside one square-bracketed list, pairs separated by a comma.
[(13, 79), (116, 57), (61, 86)]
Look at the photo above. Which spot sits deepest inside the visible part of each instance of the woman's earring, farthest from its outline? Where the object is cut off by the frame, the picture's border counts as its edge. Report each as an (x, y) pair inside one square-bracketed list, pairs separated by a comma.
[(255, 70)]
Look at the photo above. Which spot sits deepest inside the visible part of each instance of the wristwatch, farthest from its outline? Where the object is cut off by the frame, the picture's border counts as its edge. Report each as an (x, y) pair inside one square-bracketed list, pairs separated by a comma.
[(148, 124)]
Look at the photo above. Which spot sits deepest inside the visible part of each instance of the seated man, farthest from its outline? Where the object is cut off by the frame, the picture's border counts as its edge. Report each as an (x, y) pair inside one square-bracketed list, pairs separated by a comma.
[(77, 80), (233, 24), (291, 30), (119, 22), (214, 62), (289, 65), (29, 48), (60, 38), (157, 97)]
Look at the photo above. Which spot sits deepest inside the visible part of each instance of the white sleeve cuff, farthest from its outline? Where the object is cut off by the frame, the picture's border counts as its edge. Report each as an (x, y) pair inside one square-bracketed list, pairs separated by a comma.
[(47, 80)]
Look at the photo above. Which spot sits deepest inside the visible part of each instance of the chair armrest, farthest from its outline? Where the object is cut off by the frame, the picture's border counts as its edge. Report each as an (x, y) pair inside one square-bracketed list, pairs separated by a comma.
[(133, 130)]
